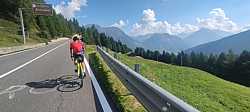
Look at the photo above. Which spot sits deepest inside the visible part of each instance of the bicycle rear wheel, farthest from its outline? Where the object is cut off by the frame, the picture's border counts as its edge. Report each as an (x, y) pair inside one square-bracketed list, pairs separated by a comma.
[(69, 87), (69, 83)]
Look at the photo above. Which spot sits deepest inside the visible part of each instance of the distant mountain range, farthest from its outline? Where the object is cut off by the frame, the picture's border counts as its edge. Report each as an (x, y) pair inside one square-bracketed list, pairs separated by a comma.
[(142, 38), (117, 34), (204, 36), (237, 43), (159, 42), (204, 40), (174, 43), (165, 42)]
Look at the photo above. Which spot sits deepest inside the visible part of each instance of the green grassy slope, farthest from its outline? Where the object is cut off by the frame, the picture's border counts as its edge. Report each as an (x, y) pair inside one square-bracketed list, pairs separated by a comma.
[(198, 88), (9, 37), (124, 101)]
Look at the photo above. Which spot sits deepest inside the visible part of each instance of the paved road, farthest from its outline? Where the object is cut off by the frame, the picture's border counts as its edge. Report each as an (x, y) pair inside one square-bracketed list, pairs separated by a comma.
[(39, 64)]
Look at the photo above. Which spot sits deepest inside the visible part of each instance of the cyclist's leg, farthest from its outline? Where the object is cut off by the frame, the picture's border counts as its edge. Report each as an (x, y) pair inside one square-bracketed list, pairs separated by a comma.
[(75, 61), (75, 58), (79, 65), (82, 65)]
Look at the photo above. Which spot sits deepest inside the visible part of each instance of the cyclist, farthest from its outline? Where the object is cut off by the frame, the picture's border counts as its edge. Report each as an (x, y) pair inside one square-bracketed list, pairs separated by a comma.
[(77, 49), (81, 37)]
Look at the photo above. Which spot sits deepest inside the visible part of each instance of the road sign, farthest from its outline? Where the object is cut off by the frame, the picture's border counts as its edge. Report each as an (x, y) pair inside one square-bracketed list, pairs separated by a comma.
[(42, 9)]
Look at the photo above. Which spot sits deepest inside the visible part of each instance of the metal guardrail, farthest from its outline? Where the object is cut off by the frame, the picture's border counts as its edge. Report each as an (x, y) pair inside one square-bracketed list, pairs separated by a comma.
[(153, 97), (102, 99)]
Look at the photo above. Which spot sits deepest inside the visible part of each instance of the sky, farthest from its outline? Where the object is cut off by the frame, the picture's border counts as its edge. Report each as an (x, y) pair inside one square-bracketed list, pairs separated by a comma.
[(140, 17)]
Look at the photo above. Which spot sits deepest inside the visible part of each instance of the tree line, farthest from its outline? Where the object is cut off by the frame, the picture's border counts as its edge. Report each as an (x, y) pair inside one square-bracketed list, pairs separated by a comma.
[(46, 27), (49, 27), (229, 66), (92, 36)]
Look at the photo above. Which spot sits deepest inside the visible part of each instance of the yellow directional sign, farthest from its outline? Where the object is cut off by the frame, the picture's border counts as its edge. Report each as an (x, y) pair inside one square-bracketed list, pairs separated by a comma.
[(42, 9)]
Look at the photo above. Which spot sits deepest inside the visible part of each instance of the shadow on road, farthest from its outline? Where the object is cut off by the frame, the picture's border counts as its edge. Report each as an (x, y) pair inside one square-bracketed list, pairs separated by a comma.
[(65, 83)]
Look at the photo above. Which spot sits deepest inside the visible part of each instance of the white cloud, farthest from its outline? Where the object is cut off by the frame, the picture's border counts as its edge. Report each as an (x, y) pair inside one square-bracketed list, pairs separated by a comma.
[(218, 21), (246, 27), (69, 9), (120, 24), (148, 16), (149, 24)]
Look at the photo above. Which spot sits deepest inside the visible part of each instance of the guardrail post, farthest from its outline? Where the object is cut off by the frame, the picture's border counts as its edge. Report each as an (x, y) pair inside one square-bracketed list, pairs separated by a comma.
[(137, 68), (107, 50), (115, 55)]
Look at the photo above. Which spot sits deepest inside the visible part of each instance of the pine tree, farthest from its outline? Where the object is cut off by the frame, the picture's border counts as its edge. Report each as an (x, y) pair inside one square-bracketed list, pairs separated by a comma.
[(211, 67), (220, 64)]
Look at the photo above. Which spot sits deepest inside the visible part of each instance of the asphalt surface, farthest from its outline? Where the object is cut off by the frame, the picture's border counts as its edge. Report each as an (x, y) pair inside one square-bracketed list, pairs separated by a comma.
[(36, 65)]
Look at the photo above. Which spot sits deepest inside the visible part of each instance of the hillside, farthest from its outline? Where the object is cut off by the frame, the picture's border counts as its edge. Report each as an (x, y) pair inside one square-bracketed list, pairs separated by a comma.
[(237, 43), (116, 34), (9, 36), (37, 28), (198, 88), (201, 36)]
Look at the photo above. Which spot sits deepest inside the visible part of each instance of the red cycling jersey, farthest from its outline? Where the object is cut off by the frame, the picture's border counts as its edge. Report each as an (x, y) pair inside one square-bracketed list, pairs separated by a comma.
[(77, 47)]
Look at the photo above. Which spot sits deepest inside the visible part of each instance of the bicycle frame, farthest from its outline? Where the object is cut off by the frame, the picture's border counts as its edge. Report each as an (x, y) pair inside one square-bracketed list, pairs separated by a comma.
[(79, 68)]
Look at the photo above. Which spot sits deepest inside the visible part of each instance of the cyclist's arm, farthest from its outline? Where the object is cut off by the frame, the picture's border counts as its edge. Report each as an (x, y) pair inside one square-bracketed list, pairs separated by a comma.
[(71, 50), (83, 46)]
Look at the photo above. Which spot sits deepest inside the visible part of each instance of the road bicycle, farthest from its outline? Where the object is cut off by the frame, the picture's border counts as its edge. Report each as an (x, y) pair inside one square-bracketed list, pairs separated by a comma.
[(80, 67), (69, 83), (66, 83)]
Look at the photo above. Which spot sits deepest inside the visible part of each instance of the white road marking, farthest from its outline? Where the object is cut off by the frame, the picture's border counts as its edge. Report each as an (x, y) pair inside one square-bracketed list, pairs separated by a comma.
[(103, 101), (28, 49), (41, 91), (21, 66), (12, 90), (18, 52)]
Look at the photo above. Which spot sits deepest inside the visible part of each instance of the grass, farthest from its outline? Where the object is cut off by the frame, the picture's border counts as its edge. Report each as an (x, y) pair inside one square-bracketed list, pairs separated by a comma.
[(9, 36), (200, 89), (112, 86)]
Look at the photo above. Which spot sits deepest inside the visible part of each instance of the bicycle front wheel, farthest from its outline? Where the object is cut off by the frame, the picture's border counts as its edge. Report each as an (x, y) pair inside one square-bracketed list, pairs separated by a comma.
[(69, 78)]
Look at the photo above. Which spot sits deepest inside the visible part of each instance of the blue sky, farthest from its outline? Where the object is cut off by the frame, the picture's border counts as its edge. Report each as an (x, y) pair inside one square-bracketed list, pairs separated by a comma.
[(171, 15)]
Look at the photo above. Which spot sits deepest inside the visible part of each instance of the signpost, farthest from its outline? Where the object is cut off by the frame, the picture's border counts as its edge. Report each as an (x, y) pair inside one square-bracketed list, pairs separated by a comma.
[(21, 19), (40, 9)]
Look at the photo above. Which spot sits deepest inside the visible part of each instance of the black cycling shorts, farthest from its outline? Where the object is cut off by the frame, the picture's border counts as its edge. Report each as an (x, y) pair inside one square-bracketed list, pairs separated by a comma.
[(78, 57)]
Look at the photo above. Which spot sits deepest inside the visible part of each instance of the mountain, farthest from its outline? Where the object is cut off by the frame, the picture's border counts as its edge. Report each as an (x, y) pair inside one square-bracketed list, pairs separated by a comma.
[(142, 38), (117, 34), (222, 33), (184, 35), (165, 42), (203, 36), (237, 43)]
